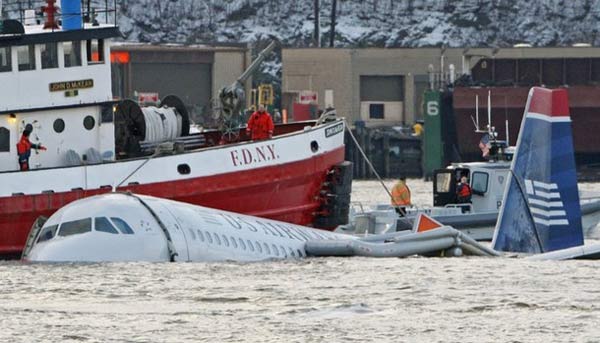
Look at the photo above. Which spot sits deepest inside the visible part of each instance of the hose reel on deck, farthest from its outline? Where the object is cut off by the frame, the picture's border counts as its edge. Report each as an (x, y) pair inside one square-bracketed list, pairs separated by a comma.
[(135, 125)]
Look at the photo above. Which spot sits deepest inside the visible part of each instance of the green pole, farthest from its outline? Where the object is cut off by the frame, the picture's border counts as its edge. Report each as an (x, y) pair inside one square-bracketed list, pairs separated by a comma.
[(433, 144)]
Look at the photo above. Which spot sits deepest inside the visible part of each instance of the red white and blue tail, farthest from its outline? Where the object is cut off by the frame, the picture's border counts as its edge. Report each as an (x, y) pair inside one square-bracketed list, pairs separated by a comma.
[(540, 210)]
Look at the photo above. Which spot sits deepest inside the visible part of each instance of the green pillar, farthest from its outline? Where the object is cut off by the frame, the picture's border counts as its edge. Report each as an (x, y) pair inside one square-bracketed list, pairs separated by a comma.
[(433, 146)]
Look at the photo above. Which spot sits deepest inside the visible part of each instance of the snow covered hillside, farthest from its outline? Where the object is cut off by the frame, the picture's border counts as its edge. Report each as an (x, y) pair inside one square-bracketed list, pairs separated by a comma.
[(361, 23)]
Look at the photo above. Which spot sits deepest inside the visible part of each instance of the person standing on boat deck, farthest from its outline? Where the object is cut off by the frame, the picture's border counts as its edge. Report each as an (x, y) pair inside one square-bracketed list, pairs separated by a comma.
[(463, 191), (401, 196), (24, 149), (260, 124)]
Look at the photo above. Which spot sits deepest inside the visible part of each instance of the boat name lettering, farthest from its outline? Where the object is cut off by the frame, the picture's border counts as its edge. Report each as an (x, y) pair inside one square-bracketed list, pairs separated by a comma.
[(334, 130), (68, 85), (258, 154)]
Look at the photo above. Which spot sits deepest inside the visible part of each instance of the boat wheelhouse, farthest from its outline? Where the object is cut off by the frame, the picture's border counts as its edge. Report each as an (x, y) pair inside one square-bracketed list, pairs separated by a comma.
[(56, 83)]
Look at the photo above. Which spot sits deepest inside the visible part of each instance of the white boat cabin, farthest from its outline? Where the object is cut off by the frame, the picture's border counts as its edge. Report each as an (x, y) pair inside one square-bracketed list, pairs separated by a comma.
[(57, 83), (487, 181)]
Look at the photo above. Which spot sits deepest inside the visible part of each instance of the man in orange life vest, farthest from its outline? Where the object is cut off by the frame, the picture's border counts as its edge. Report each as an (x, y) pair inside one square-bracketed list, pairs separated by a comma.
[(260, 124), (24, 149), (401, 196), (463, 191)]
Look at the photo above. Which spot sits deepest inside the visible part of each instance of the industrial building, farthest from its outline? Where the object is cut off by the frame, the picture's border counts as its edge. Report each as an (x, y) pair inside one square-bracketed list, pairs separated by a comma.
[(194, 73), (385, 86)]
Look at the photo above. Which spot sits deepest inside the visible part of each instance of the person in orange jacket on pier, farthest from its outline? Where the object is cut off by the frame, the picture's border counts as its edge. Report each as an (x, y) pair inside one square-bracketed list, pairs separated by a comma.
[(260, 125), (24, 149)]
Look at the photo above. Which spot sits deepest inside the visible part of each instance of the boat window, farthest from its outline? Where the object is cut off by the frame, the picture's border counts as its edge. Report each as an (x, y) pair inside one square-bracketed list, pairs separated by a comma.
[(75, 227), (209, 238), (49, 53), (300, 254), (184, 169), (26, 57), (267, 250), (443, 182), (200, 235), (292, 253), (4, 139), (479, 182), (47, 233), (258, 247), (95, 51), (233, 242), (225, 241), (122, 226), (275, 250), (72, 53), (103, 225), (250, 246), (242, 244), (59, 125), (5, 61), (89, 122)]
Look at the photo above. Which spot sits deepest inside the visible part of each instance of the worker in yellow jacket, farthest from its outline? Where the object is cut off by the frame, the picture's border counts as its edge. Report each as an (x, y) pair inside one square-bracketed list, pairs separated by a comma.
[(401, 195)]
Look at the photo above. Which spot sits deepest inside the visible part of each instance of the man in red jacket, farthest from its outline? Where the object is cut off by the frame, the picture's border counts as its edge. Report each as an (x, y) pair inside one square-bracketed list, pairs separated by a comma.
[(260, 124), (24, 150)]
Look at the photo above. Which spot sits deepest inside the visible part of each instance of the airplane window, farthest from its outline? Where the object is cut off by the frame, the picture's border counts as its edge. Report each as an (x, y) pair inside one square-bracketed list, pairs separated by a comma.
[(267, 250), (47, 233), (200, 235), (258, 247), (233, 242), (193, 234), (122, 226), (275, 250), (209, 237), (250, 246), (225, 240), (75, 227), (242, 244), (217, 239), (103, 225)]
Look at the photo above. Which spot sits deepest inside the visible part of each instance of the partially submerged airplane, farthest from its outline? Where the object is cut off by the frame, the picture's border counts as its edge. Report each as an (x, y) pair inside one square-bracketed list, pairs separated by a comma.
[(540, 215)]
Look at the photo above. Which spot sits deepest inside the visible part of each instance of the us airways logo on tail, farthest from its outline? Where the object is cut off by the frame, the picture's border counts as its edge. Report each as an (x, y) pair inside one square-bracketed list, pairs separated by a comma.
[(545, 203)]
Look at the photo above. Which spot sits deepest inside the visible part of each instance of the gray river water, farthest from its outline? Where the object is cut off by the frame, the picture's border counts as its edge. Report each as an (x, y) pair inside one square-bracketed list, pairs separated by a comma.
[(314, 300)]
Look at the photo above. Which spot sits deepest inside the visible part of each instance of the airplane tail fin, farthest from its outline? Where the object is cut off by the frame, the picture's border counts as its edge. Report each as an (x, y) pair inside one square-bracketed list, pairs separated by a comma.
[(540, 211), (425, 223)]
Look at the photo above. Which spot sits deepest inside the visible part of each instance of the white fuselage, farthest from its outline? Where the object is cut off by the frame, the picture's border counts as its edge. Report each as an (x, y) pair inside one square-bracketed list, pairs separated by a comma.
[(93, 230)]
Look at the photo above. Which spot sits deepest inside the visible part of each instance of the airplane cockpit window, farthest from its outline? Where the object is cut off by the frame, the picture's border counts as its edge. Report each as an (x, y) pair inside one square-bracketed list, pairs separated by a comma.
[(122, 226), (47, 233), (103, 225), (75, 227)]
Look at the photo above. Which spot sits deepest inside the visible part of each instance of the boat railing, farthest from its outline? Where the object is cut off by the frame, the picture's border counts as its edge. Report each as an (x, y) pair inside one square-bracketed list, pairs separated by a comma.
[(93, 12)]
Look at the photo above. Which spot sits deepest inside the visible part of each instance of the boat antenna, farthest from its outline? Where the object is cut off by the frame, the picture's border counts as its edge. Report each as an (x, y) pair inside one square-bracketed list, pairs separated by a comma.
[(476, 120), (507, 140), (489, 111)]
